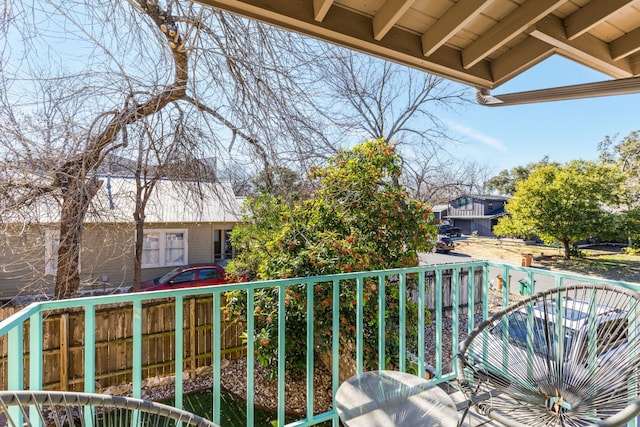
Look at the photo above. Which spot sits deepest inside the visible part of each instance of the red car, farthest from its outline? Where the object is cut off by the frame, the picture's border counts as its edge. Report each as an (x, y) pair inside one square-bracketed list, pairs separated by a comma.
[(187, 276)]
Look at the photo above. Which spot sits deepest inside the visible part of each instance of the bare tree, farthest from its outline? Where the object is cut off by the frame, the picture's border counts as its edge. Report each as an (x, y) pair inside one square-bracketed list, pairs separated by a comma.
[(239, 174), (438, 178), (234, 83), (371, 98)]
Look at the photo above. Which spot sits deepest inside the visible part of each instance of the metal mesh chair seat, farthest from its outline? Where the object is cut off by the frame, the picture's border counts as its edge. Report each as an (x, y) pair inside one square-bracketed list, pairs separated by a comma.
[(563, 357), (49, 408)]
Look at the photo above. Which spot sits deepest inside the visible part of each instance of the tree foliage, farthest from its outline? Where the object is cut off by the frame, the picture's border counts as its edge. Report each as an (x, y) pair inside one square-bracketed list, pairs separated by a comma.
[(359, 219), (626, 155), (283, 182), (506, 181), (563, 203), (264, 217)]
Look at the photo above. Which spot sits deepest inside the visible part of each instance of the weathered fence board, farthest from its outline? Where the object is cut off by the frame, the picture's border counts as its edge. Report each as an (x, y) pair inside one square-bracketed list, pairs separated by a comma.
[(63, 343)]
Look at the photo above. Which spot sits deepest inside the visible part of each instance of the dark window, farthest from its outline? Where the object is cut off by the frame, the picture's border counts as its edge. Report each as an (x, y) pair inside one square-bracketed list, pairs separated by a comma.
[(466, 203), (210, 273), (187, 276)]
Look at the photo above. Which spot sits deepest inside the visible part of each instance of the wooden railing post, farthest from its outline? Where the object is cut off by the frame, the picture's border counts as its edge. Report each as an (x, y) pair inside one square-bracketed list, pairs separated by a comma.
[(64, 351)]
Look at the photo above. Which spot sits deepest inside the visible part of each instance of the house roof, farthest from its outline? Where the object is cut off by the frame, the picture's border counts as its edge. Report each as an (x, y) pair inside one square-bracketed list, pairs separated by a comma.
[(482, 43), (492, 215), (483, 197), (172, 201), (439, 208)]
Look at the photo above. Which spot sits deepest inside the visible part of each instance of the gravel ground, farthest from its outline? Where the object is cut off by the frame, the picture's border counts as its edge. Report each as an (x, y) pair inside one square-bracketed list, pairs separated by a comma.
[(265, 394)]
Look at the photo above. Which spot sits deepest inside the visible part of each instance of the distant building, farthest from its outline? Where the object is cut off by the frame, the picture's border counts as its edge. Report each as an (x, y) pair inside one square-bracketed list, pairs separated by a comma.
[(475, 214), (186, 222), (439, 212)]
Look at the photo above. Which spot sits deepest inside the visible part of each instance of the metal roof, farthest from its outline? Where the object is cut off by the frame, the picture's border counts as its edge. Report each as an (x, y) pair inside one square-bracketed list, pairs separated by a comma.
[(482, 43), (172, 201)]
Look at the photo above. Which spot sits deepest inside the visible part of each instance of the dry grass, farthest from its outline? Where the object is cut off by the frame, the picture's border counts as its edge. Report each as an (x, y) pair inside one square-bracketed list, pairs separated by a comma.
[(605, 262)]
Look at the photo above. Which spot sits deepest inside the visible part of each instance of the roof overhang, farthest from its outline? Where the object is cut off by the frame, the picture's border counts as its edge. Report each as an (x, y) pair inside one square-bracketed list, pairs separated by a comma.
[(482, 43)]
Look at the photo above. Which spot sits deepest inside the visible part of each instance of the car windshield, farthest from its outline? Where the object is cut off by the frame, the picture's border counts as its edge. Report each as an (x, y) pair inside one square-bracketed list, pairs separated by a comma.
[(568, 313), (538, 330), (545, 333)]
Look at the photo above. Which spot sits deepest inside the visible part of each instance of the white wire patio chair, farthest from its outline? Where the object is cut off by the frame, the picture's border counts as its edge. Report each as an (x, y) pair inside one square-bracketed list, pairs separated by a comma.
[(564, 357), (52, 408)]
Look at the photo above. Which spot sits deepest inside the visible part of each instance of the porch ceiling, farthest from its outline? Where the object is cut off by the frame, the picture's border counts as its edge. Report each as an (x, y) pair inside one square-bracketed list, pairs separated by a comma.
[(482, 43)]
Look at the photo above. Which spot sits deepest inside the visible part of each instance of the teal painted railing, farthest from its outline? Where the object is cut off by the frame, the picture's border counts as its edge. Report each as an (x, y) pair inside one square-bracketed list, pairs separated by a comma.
[(440, 291)]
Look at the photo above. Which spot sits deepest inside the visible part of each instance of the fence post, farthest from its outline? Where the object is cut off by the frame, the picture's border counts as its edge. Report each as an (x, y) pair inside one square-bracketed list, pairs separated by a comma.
[(64, 351), (192, 337)]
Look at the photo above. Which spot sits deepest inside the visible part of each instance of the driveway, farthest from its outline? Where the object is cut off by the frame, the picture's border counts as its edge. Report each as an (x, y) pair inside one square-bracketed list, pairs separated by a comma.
[(542, 281)]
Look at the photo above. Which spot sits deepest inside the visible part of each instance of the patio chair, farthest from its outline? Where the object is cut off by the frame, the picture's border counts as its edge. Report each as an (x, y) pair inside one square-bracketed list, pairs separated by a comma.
[(49, 408), (563, 357)]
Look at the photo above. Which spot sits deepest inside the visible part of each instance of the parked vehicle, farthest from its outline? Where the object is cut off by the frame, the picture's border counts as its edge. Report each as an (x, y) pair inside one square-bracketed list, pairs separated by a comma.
[(187, 276), (444, 244), (449, 230), (531, 340)]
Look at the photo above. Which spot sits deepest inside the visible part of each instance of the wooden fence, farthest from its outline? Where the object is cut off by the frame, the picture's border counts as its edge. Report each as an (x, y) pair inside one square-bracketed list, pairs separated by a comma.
[(448, 289), (63, 343)]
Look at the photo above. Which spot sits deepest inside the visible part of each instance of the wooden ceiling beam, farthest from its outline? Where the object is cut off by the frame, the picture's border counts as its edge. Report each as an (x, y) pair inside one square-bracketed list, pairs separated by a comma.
[(634, 60), (625, 45), (507, 29), (320, 9), (450, 23), (388, 15), (592, 14), (520, 58), (586, 49)]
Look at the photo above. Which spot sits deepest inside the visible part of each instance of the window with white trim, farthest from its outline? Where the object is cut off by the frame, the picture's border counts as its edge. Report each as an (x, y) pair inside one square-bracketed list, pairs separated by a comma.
[(162, 248)]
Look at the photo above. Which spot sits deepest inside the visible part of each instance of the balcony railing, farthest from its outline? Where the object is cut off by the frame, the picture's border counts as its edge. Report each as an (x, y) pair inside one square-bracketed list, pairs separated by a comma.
[(429, 303)]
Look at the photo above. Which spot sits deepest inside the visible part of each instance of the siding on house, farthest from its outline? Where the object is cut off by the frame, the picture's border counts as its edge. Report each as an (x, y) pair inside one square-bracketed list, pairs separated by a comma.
[(22, 257), (107, 252), (106, 260), (476, 214)]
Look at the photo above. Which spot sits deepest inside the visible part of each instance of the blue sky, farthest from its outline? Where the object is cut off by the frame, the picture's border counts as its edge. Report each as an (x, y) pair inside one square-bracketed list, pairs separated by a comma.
[(504, 137)]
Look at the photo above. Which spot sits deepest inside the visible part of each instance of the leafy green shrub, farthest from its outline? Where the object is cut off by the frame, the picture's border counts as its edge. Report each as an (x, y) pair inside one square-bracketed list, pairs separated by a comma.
[(359, 219)]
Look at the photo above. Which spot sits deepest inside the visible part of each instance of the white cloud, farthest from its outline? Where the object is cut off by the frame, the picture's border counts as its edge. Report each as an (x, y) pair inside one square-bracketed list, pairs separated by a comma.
[(474, 135)]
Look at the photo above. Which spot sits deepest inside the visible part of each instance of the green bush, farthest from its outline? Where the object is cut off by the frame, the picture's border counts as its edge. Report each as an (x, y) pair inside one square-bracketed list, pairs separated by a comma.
[(359, 219)]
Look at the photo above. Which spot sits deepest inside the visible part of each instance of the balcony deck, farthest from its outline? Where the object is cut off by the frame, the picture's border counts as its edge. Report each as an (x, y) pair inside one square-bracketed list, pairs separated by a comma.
[(442, 295)]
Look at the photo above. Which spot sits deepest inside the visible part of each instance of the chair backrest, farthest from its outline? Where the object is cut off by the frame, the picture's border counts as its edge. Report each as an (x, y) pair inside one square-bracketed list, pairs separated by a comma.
[(46, 408), (566, 356)]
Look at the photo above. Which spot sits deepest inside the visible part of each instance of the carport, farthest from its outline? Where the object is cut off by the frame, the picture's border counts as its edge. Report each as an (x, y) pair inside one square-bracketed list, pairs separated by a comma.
[(482, 43)]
